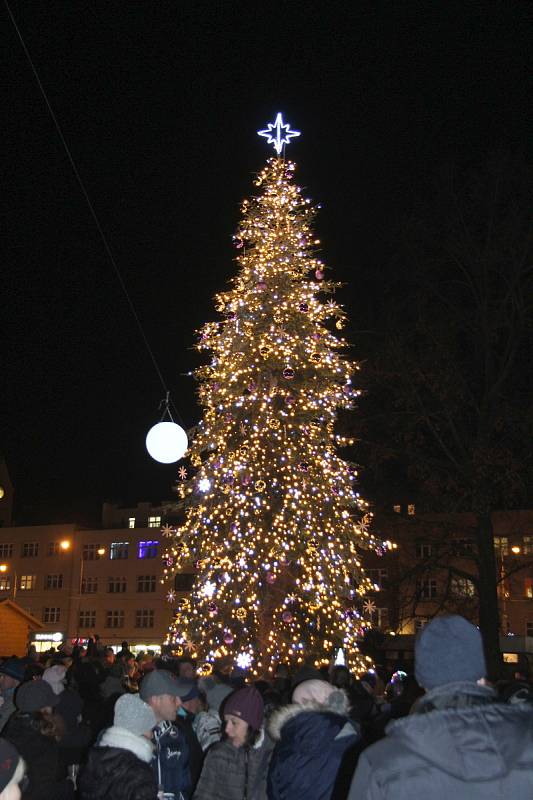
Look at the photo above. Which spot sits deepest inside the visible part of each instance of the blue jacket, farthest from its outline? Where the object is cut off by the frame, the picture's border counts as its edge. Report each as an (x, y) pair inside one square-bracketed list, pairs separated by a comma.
[(313, 742), (171, 761)]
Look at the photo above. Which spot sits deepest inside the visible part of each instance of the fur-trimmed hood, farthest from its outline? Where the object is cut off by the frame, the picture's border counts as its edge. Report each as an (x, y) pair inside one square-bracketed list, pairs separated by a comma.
[(337, 703), (126, 740)]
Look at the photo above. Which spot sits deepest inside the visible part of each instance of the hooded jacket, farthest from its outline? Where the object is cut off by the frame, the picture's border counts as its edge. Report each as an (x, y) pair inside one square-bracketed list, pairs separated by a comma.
[(316, 747), (235, 773), (171, 760), (457, 743)]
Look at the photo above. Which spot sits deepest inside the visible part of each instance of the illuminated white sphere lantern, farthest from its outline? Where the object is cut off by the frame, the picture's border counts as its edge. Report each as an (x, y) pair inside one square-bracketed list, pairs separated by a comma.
[(166, 442)]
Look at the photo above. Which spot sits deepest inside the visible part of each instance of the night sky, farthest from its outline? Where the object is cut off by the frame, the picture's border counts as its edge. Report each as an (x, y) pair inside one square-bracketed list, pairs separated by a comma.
[(159, 103)]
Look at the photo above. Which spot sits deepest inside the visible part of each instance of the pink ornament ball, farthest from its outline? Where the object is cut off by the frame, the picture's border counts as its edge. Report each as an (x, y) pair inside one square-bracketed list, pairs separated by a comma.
[(228, 638), (261, 286), (286, 616), (271, 578), (319, 274)]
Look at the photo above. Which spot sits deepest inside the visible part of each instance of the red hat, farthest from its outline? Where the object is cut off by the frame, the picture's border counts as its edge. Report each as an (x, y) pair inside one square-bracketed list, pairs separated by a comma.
[(247, 704)]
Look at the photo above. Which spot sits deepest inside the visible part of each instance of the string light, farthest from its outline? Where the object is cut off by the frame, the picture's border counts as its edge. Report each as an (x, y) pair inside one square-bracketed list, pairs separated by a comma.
[(277, 531)]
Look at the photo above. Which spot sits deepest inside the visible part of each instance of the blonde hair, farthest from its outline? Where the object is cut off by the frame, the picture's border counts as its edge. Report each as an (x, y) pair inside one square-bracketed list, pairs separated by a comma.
[(16, 777)]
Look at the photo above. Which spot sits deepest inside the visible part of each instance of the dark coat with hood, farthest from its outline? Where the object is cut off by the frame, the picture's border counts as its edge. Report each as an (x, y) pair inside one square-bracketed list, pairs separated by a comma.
[(457, 743), (316, 750), (235, 773)]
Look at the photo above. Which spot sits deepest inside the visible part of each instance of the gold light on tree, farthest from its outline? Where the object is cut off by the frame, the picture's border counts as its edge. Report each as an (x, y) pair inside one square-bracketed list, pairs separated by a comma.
[(274, 524)]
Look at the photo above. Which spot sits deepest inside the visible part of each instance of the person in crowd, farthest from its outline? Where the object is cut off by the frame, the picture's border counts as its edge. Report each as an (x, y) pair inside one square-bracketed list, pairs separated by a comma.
[(12, 772), (236, 767), (11, 676), (316, 744), (119, 767), (186, 669), (171, 761), (35, 730), (207, 723), (458, 740), (77, 735), (282, 682)]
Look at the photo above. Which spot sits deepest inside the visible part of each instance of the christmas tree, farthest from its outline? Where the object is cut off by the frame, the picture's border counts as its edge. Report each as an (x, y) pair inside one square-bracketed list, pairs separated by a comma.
[(274, 523)]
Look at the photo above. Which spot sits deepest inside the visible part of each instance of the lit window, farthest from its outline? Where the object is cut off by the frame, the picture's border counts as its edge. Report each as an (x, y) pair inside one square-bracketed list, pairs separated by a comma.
[(154, 522), (51, 614), (53, 582), (27, 582), (427, 588), (462, 587), (116, 585), (114, 619), (144, 618), (90, 552), (6, 550), (119, 550), (146, 583), (501, 544), (424, 550), (89, 585), (397, 509), (147, 549), (30, 550), (411, 509), (528, 587), (5, 583), (131, 522), (527, 546), (87, 619)]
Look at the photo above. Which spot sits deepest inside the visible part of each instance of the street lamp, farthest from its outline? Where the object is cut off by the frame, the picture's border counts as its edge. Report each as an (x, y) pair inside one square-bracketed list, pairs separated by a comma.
[(64, 545), (3, 569)]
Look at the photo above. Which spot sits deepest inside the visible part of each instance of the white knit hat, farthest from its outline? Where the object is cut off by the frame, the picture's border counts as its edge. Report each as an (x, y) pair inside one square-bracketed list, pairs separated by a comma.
[(134, 714)]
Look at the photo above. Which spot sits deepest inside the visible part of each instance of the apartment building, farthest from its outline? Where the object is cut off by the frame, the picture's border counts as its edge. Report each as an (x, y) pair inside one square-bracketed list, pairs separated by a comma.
[(84, 582)]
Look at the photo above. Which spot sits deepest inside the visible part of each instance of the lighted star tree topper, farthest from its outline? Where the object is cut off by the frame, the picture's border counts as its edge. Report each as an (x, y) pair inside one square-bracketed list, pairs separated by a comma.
[(274, 523)]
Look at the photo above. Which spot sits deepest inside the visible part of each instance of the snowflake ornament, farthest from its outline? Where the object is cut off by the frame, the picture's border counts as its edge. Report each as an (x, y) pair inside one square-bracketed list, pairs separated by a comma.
[(182, 473), (167, 530), (171, 596), (369, 607)]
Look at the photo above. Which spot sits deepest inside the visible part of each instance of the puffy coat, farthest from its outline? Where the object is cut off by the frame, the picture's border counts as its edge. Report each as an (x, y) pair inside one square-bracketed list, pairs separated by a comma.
[(118, 769), (235, 773), (458, 743), (315, 752)]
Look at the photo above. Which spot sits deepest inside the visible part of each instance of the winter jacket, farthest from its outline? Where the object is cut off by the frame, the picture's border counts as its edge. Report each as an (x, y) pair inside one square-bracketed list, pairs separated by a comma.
[(171, 760), (208, 728), (458, 743), (46, 772), (116, 773), (316, 749), (235, 773)]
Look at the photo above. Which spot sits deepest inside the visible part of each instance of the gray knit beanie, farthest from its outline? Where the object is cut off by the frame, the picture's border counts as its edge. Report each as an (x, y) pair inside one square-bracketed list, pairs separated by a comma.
[(449, 650), (134, 714)]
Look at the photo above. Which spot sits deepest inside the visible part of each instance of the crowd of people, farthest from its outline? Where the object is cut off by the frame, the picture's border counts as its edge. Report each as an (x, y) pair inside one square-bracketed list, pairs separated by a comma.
[(84, 723)]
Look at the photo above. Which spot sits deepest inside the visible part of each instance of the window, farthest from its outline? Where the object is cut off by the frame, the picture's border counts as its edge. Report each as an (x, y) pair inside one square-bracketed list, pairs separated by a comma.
[(51, 614), (529, 628), (527, 545), (90, 552), (27, 582), (89, 585), (87, 619), (5, 583), (424, 550), (378, 577), (463, 547), (462, 587), (119, 550), (501, 545), (144, 618), (116, 585), (146, 583), (528, 587), (53, 582), (114, 619), (382, 618), (427, 588), (131, 522), (147, 549), (6, 550), (154, 522), (397, 509), (53, 549), (183, 581), (30, 550), (411, 509)]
